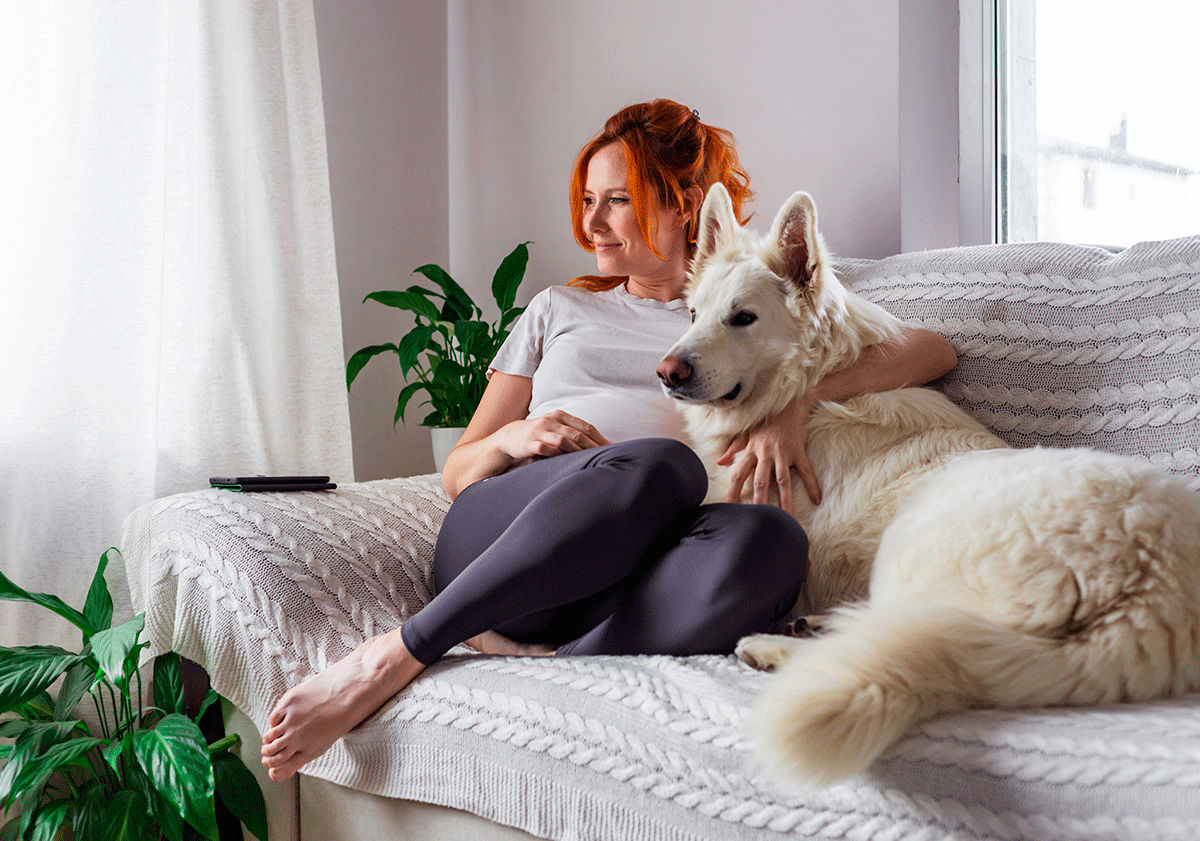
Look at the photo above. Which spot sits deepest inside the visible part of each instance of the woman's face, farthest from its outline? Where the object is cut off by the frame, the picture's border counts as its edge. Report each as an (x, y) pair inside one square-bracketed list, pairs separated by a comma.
[(610, 223)]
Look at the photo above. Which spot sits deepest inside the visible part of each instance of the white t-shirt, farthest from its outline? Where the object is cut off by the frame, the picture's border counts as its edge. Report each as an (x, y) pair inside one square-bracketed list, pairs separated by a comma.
[(594, 355)]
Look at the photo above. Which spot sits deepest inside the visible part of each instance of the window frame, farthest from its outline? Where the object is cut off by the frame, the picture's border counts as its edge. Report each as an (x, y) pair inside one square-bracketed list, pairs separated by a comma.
[(979, 121)]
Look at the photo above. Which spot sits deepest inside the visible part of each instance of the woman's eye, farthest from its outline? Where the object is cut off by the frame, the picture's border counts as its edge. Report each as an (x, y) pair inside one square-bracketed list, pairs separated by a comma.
[(588, 201), (619, 200), (743, 318)]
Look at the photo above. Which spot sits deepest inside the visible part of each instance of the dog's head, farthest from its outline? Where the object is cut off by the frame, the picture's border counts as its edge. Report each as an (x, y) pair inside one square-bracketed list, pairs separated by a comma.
[(761, 310)]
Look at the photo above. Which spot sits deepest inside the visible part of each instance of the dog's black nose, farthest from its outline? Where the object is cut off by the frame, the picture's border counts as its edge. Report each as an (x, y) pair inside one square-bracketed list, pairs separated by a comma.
[(674, 372)]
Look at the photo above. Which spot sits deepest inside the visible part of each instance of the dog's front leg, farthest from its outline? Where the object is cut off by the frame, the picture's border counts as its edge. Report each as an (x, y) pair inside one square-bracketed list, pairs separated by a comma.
[(766, 652)]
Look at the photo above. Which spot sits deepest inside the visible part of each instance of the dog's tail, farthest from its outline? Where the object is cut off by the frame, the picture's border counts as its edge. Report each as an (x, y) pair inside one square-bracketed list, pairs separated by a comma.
[(843, 699)]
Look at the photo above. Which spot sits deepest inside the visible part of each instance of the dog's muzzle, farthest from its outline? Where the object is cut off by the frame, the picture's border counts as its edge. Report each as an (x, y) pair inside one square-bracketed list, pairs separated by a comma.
[(674, 373)]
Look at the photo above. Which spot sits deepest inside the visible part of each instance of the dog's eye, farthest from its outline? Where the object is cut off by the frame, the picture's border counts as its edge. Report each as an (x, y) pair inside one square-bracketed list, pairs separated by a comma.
[(693, 312), (742, 318)]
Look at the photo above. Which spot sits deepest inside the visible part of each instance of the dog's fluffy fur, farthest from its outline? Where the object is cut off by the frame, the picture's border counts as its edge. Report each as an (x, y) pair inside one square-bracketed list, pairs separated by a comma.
[(958, 572)]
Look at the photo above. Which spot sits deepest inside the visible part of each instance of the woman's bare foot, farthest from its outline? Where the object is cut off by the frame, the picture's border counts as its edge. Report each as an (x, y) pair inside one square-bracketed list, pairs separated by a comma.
[(493, 642), (312, 716)]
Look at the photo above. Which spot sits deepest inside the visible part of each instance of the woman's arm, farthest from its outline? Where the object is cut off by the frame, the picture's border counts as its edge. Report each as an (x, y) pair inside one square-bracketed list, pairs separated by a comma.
[(500, 433), (777, 447)]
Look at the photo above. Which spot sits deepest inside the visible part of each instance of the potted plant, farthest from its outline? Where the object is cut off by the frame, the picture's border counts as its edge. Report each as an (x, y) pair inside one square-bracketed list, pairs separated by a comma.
[(148, 773), (447, 352)]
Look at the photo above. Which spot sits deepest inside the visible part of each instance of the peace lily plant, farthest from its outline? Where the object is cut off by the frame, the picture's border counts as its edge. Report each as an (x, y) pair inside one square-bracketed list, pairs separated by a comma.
[(447, 353), (148, 773)]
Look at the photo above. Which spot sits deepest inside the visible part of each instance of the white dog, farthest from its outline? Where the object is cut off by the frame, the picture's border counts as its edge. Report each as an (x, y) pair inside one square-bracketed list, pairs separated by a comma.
[(984, 576)]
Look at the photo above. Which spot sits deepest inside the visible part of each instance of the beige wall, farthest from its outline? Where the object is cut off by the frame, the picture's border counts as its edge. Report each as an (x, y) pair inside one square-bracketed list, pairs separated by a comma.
[(383, 73), (453, 125), (809, 87)]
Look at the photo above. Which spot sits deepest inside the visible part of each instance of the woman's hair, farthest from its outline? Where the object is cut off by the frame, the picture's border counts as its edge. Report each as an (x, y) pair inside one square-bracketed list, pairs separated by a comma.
[(667, 150)]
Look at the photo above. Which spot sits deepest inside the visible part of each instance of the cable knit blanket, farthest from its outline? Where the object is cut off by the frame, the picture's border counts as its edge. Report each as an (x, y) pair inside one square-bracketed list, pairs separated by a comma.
[(1079, 345)]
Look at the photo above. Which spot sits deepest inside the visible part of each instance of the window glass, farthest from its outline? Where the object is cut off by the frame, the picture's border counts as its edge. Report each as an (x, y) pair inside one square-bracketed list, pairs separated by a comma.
[(1098, 120)]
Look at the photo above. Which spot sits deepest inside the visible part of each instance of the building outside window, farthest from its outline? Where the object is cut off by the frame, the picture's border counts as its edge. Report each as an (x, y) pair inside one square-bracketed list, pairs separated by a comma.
[(1098, 133)]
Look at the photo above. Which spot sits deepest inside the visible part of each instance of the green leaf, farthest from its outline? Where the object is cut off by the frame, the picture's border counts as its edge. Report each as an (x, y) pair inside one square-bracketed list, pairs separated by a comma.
[(9, 590), (509, 276), (404, 300), (163, 813), (50, 820), (412, 345), (361, 357), (30, 745), (87, 824), (239, 791), (38, 708), (509, 316), (98, 608), (468, 334), (449, 308), (112, 648), (11, 728), (406, 394), (210, 697), (79, 679), (112, 753), (167, 685), (175, 757), (448, 368), (25, 672), (125, 817), (11, 831), (463, 307), (38, 769)]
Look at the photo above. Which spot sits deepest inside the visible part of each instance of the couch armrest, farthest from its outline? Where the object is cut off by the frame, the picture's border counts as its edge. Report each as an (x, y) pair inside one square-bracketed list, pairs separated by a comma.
[(264, 589)]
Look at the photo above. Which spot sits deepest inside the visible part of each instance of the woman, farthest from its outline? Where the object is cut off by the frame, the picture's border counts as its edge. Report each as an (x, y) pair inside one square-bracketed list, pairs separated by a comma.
[(561, 541)]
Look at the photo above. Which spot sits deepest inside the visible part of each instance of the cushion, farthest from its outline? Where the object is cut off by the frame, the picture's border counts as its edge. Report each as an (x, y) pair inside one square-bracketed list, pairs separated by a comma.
[(1062, 345)]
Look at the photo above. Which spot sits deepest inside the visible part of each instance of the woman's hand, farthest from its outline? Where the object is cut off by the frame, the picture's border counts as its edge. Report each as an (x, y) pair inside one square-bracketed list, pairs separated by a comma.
[(771, 451), (547, 435)]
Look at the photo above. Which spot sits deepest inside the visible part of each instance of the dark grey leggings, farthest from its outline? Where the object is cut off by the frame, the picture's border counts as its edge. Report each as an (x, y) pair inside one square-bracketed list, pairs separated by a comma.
[(608, 551)]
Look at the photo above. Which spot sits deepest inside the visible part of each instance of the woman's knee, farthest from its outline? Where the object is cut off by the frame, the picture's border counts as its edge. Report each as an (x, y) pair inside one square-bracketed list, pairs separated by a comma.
[(665, 466), (766, 542)]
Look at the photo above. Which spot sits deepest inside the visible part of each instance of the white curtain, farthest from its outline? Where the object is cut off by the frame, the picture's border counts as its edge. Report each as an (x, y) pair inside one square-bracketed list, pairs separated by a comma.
[(168, 292)]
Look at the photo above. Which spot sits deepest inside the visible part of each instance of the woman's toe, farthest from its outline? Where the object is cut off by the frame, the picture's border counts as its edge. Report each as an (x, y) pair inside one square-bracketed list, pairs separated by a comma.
[(277, 759), (273, 744)]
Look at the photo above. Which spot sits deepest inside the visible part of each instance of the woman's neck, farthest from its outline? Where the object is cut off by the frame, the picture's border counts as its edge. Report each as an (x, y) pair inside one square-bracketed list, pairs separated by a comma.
[(666, 286)]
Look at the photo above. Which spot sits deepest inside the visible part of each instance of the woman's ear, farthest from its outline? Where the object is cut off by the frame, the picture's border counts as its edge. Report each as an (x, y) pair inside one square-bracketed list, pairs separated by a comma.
[(693, 197)]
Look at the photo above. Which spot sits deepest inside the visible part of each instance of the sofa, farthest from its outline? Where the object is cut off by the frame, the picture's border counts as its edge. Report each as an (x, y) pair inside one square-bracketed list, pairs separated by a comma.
[(1059, 346)]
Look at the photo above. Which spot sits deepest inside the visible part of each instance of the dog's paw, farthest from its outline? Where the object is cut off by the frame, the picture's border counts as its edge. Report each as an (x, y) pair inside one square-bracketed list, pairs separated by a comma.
[(765, 652), (814, 626)]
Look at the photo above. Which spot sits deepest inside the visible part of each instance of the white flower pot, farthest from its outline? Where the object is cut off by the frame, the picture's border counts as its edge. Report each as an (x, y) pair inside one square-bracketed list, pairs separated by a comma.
[(444, 439)]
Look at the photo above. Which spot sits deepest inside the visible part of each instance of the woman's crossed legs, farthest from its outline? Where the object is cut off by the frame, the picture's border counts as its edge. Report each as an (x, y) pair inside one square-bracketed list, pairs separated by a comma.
[(603, 551)]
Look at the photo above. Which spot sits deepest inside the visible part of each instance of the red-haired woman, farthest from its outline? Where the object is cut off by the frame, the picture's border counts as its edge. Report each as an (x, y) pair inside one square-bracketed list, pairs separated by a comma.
[(577, 525)]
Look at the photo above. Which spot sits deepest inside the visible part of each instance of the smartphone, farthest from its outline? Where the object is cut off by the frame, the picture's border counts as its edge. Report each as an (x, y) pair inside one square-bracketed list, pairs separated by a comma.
[(271, 483)]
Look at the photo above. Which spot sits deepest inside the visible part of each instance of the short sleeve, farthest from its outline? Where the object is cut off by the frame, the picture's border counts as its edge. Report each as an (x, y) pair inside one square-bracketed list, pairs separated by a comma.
[(521, 352)]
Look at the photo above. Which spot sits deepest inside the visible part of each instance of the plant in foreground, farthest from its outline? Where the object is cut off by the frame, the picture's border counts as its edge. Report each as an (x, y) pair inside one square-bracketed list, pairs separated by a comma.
[(147, 774)]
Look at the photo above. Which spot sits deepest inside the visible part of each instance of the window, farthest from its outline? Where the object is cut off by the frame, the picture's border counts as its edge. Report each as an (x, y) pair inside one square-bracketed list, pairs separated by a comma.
[(1097, 131)]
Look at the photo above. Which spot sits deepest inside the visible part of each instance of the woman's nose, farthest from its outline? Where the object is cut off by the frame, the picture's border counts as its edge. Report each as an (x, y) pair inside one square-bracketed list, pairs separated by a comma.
[(593, 219)]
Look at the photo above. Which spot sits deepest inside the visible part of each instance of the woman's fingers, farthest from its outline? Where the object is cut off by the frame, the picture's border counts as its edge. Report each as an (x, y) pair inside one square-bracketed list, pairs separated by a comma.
[(742, 470), (809, 477), (558, 433), (735, 446), (783, 478)]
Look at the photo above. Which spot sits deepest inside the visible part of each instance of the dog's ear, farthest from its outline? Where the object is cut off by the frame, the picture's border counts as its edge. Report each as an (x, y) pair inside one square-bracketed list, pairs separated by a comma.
[(718, 225), (795, 251)]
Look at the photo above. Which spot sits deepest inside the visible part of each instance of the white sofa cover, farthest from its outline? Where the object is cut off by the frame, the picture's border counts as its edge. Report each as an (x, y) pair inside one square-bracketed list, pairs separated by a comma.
[(1059, 346)]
